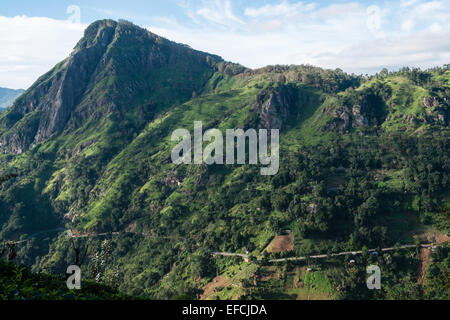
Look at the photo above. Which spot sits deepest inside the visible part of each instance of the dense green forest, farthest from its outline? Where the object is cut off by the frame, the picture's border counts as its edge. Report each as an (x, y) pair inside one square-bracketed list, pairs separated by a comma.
[(18, 283), (364, 163)]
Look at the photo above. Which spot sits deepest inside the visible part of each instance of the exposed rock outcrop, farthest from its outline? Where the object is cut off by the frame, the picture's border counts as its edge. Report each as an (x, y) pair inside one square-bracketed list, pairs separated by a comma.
[(112, 65), (429, 102), (276, 107), (368, 110)]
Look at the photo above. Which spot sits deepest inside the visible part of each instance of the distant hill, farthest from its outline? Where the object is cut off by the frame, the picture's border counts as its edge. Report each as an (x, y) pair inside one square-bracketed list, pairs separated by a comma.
[(7, 97)]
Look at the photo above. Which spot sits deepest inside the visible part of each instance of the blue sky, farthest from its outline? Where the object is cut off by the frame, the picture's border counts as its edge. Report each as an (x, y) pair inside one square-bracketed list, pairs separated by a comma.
[(356, 36), (141, 11)]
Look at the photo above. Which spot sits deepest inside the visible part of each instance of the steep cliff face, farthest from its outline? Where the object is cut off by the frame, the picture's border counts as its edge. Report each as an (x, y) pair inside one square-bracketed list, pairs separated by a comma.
[(356, 111), (113, 68), (46, 107), (275, 107)]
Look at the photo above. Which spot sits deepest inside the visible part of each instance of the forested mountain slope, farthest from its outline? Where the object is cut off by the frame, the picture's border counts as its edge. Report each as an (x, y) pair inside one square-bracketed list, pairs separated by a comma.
[(363, 161)]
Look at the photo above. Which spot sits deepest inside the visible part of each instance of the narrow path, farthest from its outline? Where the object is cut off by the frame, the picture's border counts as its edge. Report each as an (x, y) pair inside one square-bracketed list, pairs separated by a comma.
[(34, 235), (92, 235), (230, 254)]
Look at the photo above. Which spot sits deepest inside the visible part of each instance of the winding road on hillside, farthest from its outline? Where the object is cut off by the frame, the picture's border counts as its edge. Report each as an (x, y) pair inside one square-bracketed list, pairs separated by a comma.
[(321, 256), (70, 234), (34, 235)]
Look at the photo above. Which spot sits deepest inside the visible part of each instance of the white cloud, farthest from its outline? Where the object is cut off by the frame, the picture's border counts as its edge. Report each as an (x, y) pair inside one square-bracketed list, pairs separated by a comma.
[(407, 24), (341, 9), (407, 3), (219, 12), (419, 15), (350, 36), (30, 46), (423, 49), (282, 9), (407, 32)]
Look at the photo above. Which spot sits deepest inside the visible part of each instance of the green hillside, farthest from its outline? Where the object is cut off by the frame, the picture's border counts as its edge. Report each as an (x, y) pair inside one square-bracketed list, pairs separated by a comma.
[(364, 161)]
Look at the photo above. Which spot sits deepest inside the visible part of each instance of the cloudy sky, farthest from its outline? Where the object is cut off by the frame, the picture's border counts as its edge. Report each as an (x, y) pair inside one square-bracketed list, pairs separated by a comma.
[(356, 36)]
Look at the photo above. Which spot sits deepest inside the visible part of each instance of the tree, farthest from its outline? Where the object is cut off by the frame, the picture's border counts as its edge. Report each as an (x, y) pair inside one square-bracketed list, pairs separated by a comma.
[(7, 177)]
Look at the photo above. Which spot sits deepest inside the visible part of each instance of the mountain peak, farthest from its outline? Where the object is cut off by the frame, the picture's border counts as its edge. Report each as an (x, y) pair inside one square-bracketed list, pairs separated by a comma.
[(98, 31), (114, 68)]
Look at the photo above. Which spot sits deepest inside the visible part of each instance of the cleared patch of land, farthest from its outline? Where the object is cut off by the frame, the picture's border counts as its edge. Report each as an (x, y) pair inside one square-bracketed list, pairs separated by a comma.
[(424, 257), (442, 238), (217, 282), (281, 243), (425, 253), (433, 237)]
